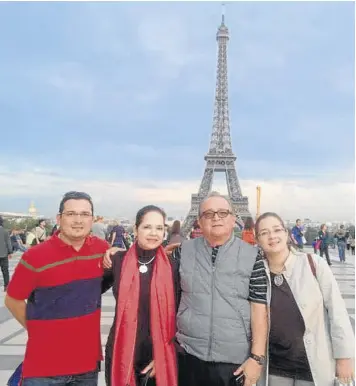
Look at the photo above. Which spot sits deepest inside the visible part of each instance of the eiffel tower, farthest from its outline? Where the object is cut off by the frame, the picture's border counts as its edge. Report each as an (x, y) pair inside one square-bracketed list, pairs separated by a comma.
[(220, 157)]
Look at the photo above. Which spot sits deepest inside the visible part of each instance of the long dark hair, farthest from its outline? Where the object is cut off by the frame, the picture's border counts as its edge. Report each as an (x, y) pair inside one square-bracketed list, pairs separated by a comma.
[(175, 230), (249, 224)]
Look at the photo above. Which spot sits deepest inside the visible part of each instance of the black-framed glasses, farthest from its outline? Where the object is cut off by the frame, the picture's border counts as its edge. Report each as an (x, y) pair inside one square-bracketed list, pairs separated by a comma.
[(209, 214)]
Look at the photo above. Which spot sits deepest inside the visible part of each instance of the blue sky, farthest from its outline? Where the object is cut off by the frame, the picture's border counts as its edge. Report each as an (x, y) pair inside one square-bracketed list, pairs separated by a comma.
[(117, 99)]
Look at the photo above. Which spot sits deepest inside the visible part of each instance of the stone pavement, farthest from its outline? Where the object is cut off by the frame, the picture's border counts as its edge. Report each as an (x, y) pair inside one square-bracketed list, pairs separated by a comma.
[(13, 338)]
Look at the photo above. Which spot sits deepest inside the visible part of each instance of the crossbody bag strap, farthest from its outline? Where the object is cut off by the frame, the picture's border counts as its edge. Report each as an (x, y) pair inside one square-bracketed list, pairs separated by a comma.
[(311, 263)]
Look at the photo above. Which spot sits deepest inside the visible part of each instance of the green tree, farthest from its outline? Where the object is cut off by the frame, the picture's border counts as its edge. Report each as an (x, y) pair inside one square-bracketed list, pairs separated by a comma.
[(26, 224)]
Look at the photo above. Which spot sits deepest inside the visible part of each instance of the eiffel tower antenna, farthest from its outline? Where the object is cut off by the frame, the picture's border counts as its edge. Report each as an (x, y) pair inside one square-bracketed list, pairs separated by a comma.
[(223, 13), (220, 157)]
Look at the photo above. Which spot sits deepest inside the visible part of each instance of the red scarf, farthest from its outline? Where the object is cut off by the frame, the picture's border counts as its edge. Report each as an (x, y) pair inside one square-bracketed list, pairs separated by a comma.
[(163, 321)]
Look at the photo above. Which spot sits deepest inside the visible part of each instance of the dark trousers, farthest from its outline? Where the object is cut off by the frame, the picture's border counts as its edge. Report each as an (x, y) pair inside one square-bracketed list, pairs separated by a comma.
[(86, 379), (195, 372), (326, 251), (4, 264)]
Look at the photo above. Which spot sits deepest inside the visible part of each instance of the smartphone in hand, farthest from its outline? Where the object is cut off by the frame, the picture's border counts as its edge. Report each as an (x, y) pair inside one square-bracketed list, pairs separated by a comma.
[(238, 380)]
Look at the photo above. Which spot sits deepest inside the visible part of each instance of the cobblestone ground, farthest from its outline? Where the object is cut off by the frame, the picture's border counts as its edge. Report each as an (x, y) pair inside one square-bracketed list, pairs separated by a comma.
[(13, 337)]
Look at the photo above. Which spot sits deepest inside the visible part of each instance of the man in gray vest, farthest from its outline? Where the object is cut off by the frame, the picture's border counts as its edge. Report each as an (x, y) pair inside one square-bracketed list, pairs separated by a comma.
[(222, 316)]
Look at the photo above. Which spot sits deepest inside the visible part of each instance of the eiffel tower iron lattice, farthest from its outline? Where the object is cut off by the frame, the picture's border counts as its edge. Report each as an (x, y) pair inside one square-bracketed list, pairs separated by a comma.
[(220, 157)]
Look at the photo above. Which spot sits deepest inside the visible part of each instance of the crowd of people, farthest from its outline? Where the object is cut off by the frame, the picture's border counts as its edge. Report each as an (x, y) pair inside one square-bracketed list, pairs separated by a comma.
[(342, 238), (211, 310)]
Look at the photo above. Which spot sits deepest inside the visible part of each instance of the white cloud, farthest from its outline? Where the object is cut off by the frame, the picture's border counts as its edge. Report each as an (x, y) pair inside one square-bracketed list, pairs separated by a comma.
[(322, 199)]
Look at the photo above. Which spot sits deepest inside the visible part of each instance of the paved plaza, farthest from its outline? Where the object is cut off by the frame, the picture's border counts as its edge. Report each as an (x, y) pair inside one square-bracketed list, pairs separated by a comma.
[(13, 337)]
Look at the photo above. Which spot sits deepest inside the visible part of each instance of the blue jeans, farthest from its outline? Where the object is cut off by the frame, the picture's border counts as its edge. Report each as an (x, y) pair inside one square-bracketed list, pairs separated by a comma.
[(341, 246), (86, 379)]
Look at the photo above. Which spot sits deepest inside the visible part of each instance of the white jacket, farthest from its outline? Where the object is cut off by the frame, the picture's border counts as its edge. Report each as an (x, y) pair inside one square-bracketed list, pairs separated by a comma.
[(328, 331)]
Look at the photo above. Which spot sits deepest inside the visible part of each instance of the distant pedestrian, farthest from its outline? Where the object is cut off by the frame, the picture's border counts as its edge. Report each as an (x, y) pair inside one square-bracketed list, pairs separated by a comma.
[(248, 233), (297, 235), (99, 228), (5, 253), (324, 238), (54, 229), (175, 235), (341, 237), (117, 236), (40, 233), (16, 241), (196, 232), (348, 242), (352, 246)]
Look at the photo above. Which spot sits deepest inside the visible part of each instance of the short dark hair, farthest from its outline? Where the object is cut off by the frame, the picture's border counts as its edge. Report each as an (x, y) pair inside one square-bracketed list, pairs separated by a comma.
[(39, 221), (1, 221), (298, 219), (266, 215), (73, 195), (147, 209)]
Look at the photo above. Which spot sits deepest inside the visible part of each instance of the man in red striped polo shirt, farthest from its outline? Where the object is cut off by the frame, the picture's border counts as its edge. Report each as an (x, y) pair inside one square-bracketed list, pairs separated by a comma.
[(61, 281)]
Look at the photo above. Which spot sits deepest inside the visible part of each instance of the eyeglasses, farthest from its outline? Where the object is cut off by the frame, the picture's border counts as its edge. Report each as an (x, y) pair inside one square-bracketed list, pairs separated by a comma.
[(71, 214), (209, 214), (267, 233)]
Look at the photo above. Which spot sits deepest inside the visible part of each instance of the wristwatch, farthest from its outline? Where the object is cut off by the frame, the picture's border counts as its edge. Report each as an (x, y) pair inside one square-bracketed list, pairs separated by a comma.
[(260, 359)]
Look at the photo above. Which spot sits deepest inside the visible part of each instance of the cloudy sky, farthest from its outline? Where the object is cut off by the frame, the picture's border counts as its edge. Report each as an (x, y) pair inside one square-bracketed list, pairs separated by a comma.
[(116, 99)]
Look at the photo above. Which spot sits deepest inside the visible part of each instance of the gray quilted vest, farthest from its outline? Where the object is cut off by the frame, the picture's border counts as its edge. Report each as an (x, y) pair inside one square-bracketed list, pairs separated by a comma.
[(213, 319)]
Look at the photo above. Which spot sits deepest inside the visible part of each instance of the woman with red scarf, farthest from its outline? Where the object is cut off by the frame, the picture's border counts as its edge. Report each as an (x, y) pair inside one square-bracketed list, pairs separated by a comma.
[(140, 349)]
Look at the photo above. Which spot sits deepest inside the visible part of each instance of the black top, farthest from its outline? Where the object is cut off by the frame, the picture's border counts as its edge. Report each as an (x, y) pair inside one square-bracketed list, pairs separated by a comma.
[(143, 347), (143, 350), (286, 346)]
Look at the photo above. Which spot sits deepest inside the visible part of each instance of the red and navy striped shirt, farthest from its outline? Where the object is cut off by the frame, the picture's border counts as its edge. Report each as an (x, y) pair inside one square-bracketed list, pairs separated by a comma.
[(63, 291)]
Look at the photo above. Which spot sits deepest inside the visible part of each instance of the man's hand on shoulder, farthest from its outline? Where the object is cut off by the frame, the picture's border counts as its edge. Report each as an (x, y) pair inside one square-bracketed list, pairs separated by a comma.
[(170, 248), (107, 257)]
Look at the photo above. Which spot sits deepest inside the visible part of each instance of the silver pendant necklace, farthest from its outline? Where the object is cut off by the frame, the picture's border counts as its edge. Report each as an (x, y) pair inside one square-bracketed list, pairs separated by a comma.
[(278, 276), (278, 279), (143, 266)]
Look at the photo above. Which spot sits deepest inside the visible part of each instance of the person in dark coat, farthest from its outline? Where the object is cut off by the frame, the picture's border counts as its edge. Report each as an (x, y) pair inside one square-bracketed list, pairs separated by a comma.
[(5, 253), (324, 237)]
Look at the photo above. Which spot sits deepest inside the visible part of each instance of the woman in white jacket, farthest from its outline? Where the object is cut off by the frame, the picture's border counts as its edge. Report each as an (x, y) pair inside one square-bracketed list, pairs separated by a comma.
[(311, 341)]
